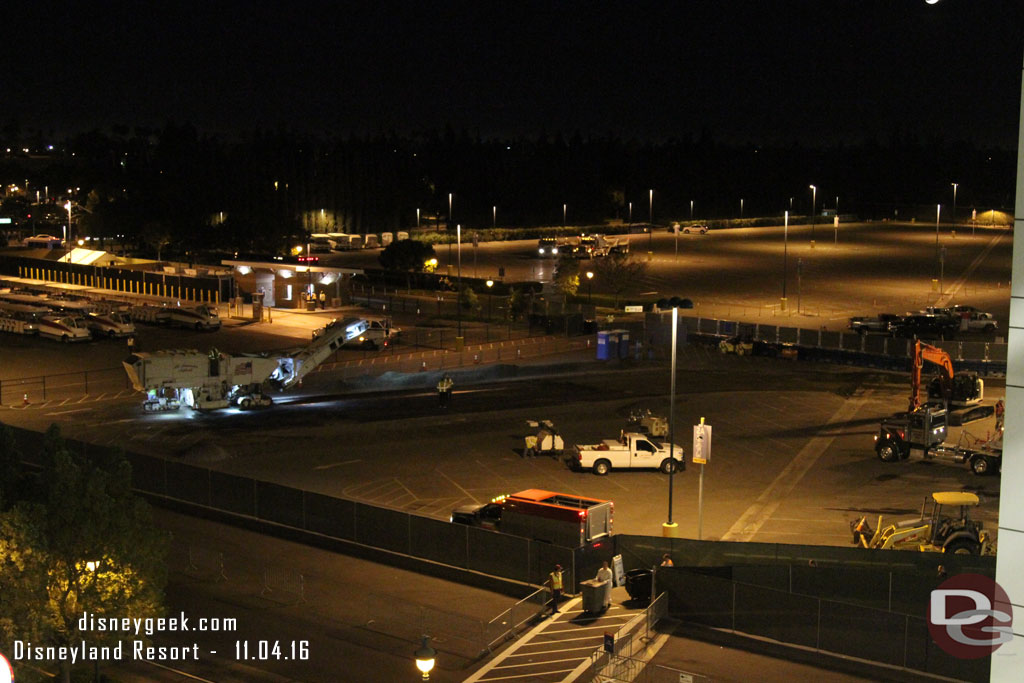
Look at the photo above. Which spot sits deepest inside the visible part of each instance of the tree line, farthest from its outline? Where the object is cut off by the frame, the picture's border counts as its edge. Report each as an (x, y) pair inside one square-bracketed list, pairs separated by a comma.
[(261, 191)]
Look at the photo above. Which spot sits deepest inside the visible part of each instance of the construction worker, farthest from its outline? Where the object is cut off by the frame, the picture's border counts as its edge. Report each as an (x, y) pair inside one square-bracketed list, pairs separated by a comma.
[(604, 574), (323, 299), (555, 584), (444, 390), (666, 560)]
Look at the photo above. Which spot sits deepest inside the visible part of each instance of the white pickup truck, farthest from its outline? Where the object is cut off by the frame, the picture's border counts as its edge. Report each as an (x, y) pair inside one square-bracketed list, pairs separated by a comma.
[(629, 451)]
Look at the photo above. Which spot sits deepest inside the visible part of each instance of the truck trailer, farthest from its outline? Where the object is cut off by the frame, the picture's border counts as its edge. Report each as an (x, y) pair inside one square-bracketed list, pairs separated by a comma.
[(558, 518)]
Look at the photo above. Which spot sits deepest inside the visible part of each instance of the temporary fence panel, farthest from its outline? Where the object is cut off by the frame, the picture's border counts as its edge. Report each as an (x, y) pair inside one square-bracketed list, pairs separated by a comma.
[(437, 540), (232, 493), (187, 482), (280, 504), (382, 528), (334, 517)]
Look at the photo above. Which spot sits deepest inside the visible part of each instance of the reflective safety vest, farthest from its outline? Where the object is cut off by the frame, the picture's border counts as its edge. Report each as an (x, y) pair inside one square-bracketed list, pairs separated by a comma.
[(556, 581)]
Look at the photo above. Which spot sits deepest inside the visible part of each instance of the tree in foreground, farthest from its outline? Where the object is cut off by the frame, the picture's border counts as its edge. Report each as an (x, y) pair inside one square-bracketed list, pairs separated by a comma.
[(406, 256), (85, 543), (619, 273)]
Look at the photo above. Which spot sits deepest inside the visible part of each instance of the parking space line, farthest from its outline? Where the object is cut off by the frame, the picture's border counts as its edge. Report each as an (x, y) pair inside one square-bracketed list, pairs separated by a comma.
[(508, 678), (747, 526), (456, 485)]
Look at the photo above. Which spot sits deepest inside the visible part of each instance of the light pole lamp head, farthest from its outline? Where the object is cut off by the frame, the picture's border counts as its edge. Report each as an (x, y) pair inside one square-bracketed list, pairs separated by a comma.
[(590, 275), (490, 283), (425, 658)]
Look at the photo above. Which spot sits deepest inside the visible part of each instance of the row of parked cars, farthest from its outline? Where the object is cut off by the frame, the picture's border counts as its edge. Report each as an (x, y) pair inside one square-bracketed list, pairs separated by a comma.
[(934, 322)]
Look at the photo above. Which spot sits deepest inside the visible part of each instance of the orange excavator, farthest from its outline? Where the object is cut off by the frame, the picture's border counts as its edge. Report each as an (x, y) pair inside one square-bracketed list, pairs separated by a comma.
[(926, 352), (924, 426)]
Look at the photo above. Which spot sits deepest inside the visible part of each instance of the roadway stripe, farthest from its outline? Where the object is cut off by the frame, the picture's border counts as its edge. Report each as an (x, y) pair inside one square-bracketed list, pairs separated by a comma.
[(335, 464), (543, 663), (66, 412), (768, 502), (944, 300), (544, 652)]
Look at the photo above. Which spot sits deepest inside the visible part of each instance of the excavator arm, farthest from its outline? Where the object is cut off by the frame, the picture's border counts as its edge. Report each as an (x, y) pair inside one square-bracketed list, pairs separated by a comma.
[(926, 352)]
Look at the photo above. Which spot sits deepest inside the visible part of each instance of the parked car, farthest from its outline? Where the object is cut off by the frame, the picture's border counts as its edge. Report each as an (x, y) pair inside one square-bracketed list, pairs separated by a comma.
[(699, 229), (924, 326), (879, 323), (982, 322)]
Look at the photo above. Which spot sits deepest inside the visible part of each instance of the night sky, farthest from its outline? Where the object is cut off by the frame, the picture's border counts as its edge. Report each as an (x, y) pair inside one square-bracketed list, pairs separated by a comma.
[(768, 71)]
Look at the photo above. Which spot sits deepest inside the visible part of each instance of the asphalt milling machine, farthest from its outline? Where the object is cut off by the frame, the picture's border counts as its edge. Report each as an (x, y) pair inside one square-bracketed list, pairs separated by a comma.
[(208, 381)]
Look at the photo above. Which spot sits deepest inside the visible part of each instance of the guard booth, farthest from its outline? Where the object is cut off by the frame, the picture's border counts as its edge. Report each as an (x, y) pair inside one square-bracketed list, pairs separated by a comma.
[(257, 306)]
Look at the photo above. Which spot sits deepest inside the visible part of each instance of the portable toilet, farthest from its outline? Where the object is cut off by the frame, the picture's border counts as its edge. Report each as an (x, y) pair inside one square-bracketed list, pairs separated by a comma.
[(613, 344), (402, 235), (356, 242), (622, 337), (371, 242), (602, 345), (386, 238)]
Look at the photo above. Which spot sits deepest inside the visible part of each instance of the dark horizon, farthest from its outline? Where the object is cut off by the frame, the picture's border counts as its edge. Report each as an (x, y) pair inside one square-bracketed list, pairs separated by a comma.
[(782, 73)]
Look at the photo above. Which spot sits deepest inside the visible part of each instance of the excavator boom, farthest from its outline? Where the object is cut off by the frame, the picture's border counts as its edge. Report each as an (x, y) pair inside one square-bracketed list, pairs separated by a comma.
[(926, 352)]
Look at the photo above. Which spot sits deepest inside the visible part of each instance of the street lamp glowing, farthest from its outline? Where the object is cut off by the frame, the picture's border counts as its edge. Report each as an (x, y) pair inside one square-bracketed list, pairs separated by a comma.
[(814, 198), (490, 283), (425, 658)]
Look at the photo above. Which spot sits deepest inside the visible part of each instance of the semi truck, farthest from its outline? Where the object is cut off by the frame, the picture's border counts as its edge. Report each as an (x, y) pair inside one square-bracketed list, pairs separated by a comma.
[(207, 381), (561, 519), (631, 450)]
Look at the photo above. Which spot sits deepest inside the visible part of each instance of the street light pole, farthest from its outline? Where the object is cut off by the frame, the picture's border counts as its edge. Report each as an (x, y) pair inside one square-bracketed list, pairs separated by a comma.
[(565, 207), (691, 209), (938, 211), (494, 216), (741, 208), (785, 255), (954, 204), (447, 229), (814, 198), (650, 222), (590, 287), (670, 528), (490, 283), (458, 297)]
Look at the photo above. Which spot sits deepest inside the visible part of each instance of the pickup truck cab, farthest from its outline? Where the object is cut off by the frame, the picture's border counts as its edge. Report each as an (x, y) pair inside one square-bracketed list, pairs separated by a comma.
[(879, 323), (630, 451)]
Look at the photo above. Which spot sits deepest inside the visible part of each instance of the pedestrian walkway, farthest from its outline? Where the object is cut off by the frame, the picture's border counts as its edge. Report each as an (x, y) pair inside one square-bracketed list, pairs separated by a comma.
[(557, 647)]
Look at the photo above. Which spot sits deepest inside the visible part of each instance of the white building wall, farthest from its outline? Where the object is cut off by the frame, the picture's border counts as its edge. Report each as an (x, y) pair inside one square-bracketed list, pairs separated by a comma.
[(1008, 660)]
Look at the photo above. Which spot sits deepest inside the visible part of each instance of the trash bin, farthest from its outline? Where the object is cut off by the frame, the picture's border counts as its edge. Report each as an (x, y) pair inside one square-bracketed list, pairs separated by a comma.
[(310, 304), (594, 594), (638, 584)]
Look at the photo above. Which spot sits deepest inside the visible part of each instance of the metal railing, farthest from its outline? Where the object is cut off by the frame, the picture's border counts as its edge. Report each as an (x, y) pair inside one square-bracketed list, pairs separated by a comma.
[(512, 620), (632, 638)]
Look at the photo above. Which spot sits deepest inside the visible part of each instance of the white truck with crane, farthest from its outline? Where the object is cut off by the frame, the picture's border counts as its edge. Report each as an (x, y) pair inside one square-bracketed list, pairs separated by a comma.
[(630, 451), (207, 381)]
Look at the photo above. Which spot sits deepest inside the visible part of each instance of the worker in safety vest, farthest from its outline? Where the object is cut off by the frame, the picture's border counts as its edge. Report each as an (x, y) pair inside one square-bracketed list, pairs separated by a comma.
[(555, 584), (444, 390)]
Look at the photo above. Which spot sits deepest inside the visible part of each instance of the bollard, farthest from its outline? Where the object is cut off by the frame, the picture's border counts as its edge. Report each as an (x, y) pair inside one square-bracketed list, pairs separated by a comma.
[(423, 366), (476, 358), (25, 400)]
